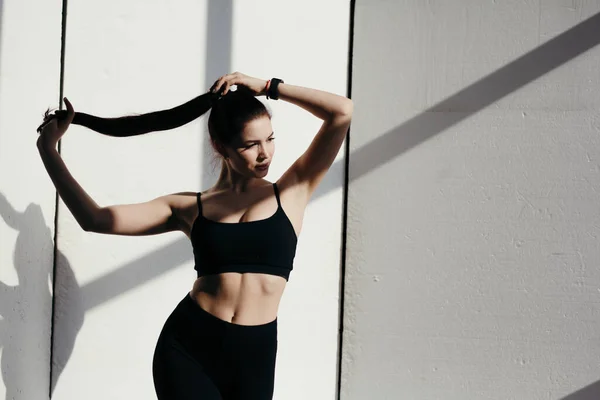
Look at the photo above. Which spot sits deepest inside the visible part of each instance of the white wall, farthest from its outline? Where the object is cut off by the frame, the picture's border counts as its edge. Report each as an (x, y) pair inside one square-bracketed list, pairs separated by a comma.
[(473, 212), (116, 292), (29, 82)]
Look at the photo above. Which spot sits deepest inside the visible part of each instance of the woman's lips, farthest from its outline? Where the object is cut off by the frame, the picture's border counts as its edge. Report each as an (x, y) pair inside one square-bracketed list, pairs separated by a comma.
[(263, 167)]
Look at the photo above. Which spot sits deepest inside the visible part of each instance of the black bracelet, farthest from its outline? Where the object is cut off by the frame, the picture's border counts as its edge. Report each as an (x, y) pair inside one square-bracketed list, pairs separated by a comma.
[(273, 92)]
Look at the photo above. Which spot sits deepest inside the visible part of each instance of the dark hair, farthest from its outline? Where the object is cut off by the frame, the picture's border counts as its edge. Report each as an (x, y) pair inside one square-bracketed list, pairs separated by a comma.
[(231, 112), (227, 118)]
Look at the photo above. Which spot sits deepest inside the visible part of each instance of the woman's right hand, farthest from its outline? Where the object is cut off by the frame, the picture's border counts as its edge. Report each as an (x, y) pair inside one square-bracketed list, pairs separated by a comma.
[(55, 125)]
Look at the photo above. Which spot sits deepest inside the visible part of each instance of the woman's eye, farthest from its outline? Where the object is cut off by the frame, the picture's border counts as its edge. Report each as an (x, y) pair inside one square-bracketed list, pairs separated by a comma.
[(254, 144)]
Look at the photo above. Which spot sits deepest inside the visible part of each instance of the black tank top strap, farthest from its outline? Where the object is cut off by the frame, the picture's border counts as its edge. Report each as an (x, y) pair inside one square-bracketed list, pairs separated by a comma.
[(199, 203), (276, 193)]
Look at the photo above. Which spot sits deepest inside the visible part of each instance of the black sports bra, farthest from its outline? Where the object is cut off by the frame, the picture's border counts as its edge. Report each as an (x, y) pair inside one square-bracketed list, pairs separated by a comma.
[(265, 246)]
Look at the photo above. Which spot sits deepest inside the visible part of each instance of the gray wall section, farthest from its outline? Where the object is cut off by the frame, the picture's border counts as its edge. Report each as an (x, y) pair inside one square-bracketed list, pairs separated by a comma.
[(473, 221)]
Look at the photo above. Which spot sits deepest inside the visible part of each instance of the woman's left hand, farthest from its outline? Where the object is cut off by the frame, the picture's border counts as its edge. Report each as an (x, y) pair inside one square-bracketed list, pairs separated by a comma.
[(224, 83)]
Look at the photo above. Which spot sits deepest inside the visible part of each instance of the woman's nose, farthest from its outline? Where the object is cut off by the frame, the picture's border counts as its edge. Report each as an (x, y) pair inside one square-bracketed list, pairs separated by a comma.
[(263, 152)]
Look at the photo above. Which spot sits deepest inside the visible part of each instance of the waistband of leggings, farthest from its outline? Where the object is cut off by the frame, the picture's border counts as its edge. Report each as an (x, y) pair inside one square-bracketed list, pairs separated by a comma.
[(192, 306)]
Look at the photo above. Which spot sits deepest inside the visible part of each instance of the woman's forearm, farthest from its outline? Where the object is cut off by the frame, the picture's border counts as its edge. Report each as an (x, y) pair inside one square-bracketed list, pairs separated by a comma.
[(323, 105), (81, 205)]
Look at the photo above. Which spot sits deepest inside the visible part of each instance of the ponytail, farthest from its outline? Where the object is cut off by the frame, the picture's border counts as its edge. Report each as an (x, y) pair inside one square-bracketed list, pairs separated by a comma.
[(228, 116), (150, 122)]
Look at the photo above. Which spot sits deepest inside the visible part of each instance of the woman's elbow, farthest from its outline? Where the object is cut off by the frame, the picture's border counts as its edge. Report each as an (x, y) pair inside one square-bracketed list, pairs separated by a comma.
[(347, 108), (101, 222)]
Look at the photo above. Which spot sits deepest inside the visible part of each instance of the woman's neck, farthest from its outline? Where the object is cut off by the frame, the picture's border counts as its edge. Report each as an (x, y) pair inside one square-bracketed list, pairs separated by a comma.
[(230, 180)]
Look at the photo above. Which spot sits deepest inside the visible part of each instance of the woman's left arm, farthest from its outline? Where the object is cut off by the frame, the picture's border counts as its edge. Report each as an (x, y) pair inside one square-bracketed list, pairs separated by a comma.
[(336, 113)]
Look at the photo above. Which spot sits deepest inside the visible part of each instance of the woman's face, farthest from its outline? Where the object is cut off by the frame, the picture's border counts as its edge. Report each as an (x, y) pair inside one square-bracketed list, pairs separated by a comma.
[(251, 153)]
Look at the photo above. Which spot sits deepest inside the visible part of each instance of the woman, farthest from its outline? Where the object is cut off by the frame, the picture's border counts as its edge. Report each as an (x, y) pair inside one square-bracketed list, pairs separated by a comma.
[(220, 342)]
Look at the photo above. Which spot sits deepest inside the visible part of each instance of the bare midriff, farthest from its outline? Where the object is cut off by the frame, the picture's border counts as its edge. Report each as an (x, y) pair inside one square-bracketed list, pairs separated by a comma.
[(242, 299)]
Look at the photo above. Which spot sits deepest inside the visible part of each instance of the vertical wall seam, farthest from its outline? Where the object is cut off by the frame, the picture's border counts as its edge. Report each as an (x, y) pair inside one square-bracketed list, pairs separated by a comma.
[(345, 206), (57, 199)]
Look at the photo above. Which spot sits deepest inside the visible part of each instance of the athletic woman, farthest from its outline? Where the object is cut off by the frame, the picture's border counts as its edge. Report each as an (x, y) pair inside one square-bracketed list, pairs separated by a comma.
[(220, 341)]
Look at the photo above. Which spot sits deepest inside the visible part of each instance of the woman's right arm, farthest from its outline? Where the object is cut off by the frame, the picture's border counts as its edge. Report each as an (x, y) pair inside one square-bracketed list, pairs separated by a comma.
[(149, 218)]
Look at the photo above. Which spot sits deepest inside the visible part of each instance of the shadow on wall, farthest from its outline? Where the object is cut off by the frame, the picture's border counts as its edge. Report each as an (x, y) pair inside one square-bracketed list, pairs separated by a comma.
[(65, 325), (591, 392), (219, 27), (477, 96), (20, 343)]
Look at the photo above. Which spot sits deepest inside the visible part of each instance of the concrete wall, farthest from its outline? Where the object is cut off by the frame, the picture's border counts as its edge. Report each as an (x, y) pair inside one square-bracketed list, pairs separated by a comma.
[(472, 269), (473, 232), (29, 82)]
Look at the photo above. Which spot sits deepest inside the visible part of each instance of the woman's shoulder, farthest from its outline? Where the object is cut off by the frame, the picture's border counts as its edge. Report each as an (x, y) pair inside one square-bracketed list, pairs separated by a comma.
[(181, 200)]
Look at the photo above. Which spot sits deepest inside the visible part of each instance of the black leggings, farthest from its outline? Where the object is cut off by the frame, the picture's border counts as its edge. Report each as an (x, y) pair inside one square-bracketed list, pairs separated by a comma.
[(199, 356)]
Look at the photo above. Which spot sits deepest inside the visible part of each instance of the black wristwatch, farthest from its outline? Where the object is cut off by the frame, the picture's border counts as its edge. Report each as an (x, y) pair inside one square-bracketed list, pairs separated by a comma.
[(273, 91)]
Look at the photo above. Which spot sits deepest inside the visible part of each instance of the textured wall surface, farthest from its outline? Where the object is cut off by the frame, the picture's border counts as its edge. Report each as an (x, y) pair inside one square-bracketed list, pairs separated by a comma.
[(29, 82), (114, 293), (473, 239)]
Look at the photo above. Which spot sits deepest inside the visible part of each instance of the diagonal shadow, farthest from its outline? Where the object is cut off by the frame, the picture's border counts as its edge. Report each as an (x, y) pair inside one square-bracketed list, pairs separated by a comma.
[(590, 392), (393, 143), (135, 273), (477, 96)]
